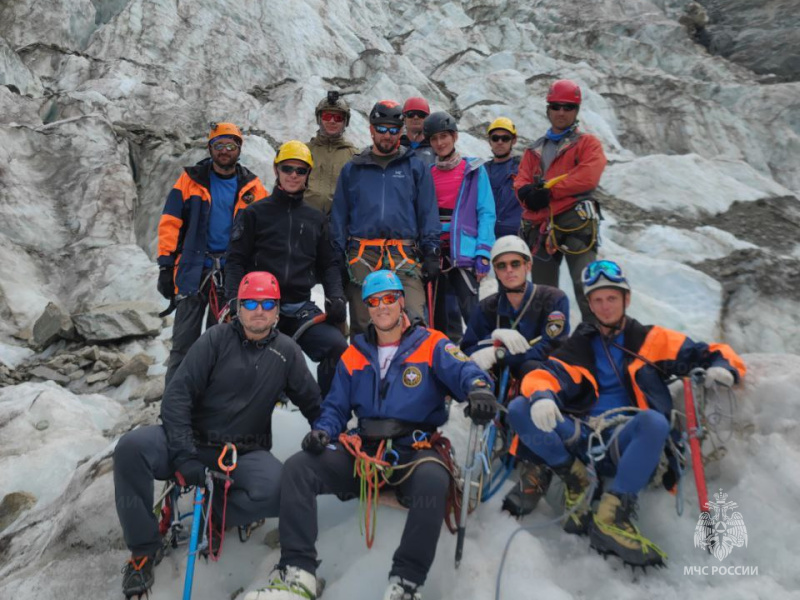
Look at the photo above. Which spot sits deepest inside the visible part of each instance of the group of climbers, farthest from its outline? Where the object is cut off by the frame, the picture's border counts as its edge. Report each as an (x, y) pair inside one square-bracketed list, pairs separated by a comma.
[(397, 233)]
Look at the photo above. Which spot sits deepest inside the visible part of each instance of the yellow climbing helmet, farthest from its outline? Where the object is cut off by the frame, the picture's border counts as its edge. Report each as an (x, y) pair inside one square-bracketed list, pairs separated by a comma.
[(294, 149), (502, 123)]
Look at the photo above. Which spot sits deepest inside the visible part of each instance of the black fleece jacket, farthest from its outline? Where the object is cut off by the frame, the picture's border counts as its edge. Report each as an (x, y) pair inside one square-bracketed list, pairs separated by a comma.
[(226, 388), (287, 237)]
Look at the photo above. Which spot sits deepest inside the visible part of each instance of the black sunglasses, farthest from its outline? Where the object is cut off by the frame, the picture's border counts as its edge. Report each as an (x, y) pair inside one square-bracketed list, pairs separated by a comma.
[(564, 107), (501, 138), (418, 114), (288, 169)]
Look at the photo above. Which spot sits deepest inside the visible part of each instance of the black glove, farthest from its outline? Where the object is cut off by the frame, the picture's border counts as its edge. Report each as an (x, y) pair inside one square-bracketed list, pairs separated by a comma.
[(482, 406), (166, 282), (534, 195), (192, 472), (315, 441), (336, 309), (431, 265)]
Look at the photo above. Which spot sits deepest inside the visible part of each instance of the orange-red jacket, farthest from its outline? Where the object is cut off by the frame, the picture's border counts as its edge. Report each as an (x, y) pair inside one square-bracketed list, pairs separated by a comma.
[(653, 354), (580, 156), (183, 228)]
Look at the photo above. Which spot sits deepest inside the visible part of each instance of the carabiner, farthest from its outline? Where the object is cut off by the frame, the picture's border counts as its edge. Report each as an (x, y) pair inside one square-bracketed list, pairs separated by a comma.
[(234, 458)]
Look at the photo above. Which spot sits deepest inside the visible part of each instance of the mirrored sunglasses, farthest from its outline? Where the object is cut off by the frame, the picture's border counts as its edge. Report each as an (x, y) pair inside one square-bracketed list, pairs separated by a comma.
[(289, 169), (501, 138), (228, 146), (333, 116), (564, 107), (265, 304), (375, 301), (502, 265), (385, 129)]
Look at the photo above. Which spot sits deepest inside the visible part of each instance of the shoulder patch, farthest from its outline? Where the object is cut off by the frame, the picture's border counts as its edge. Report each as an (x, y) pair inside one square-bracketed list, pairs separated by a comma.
[(412, 377), (555, 323), (455, 352)]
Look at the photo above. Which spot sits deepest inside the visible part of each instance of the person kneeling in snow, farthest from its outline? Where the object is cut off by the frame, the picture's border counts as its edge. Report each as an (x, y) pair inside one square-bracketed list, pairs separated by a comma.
[(395, 378), (616, 366), (519, 313), (223, 392)]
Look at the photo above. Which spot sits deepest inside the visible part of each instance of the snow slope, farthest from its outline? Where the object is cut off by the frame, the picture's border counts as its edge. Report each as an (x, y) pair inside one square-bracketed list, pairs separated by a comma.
[(83, 552)]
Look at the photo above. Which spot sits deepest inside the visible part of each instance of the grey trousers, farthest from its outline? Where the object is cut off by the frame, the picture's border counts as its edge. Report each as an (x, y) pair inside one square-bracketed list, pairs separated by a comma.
[(307, 476), (546, 266), (141, 456)]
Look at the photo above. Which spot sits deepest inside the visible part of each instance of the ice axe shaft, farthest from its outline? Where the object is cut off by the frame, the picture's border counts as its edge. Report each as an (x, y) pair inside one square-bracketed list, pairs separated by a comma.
[(551, 182)]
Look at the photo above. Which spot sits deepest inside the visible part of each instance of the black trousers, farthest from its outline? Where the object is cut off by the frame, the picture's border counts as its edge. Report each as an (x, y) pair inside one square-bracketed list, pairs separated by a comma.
[(323, 343), (306, 476), (142, 456)]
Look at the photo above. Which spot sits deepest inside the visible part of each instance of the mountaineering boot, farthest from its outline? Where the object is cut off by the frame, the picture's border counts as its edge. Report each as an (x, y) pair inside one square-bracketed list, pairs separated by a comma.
[(613, 533), (533, 483), (137, 576), (576, 485), (401, 589), (287, 583)]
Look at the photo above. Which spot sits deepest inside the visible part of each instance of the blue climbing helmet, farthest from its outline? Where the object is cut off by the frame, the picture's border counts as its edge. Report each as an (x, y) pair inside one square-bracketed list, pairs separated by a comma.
[(381, 281), (603, 274)]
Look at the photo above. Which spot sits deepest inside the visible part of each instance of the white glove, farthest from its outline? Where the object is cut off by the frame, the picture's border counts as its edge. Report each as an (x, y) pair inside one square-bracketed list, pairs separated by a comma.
[(513, 340), (545, 414), (484, 358), (718, 375)]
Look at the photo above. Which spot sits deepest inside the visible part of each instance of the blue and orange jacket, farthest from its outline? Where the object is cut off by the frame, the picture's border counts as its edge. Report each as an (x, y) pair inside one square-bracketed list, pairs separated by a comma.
[(472, 225), (183, 228), (426, 368), (652, 354)]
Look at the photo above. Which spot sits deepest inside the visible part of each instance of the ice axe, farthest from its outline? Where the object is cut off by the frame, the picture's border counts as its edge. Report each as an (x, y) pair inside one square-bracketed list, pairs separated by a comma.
[(320, 318)]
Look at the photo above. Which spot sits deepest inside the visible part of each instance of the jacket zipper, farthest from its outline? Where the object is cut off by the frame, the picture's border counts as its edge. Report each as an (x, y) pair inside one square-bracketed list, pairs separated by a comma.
[(288, 246)]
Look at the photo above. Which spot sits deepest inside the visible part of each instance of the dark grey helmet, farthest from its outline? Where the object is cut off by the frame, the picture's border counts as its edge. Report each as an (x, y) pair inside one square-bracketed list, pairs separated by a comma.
[(438, 122), (386, 112)]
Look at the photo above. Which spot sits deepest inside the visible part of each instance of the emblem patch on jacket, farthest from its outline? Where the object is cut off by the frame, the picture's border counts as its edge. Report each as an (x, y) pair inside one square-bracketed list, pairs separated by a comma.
[(555, 323), (248, 198), (456, 352), (412, 377)]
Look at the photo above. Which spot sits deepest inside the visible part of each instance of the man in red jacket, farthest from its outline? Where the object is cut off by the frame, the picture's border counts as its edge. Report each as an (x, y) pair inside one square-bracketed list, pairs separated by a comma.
[(557, 176)]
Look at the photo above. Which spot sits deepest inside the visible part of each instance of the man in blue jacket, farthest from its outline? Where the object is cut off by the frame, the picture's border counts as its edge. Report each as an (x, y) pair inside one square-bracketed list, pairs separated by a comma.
[(502, 169), (384, 215), (517, 315), (395, 378), (606, 370), (466, 211)]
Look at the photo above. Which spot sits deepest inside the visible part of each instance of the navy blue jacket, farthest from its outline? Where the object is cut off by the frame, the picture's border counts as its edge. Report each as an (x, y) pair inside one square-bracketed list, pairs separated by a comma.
[(546, 315), (396, 203)]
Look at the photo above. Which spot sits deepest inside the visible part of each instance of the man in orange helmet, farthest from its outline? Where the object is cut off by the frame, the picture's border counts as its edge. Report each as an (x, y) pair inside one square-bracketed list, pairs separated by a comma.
[(556, 178), (194, 232), (224, 392)]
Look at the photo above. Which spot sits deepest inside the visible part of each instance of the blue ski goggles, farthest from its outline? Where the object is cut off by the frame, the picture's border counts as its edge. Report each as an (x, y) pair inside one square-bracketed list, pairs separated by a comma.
[(605, 268), (265, 304)]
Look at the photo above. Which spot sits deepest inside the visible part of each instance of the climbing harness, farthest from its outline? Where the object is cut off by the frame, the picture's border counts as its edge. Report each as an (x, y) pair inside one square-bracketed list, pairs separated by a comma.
[(385, 258)]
